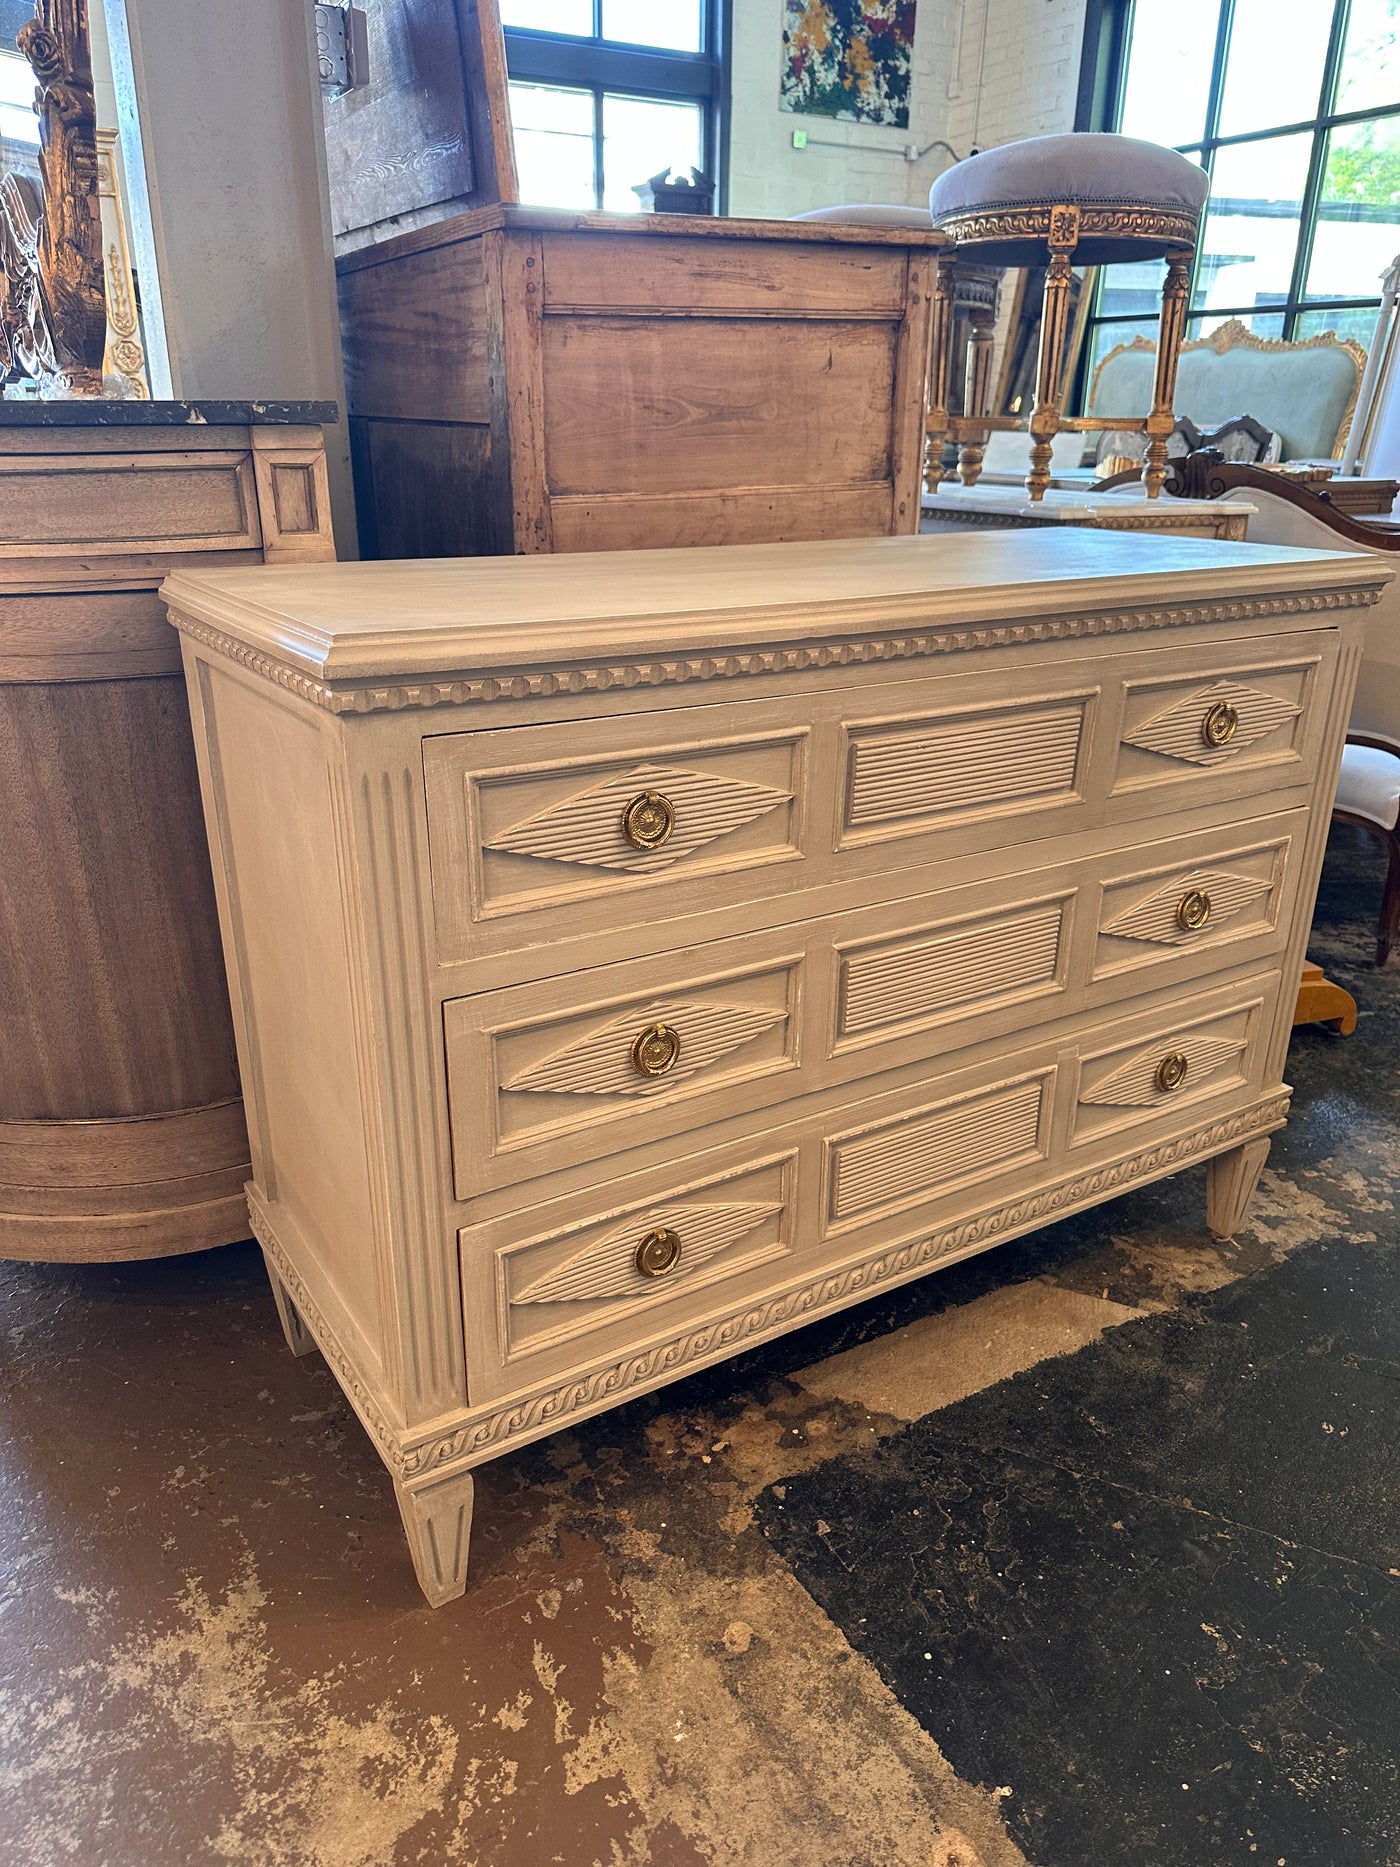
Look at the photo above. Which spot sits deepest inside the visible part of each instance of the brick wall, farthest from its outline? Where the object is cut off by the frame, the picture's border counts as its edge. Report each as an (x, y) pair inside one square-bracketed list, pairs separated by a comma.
[(768, 177), (1029, 73)]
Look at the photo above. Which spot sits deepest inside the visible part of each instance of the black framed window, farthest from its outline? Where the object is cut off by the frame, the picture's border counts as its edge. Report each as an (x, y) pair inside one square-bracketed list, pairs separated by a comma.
[(1293, 109), (605, 94)]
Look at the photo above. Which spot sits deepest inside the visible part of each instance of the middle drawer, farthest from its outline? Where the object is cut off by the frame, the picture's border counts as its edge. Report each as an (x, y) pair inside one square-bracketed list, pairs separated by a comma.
[(572, 1068)]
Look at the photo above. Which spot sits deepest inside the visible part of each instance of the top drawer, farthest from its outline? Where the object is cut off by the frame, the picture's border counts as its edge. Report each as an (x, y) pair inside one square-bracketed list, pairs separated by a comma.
[(545, 833)]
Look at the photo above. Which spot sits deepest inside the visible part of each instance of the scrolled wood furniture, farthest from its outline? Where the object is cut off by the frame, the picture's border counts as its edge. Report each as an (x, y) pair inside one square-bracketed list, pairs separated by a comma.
[(637, 956), (1303, 389), (121, 1124)]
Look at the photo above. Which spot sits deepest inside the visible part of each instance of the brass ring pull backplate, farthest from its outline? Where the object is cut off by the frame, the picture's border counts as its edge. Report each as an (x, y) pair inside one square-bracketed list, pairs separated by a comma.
[(648, 820), (1193, 910), (655, 1050), (658, 1252), (1219, 725), (1171, 1072)]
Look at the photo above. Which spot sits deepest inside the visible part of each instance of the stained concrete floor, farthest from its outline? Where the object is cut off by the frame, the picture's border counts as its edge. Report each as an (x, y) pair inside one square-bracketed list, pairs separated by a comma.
[(703, 1629)]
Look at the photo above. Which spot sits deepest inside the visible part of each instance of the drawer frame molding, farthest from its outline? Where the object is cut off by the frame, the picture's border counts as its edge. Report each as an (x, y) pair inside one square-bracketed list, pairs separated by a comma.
[(473, 1437), (584, 676)]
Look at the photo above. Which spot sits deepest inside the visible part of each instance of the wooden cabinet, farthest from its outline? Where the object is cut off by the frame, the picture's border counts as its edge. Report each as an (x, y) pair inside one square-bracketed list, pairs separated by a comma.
[(640, 955), (522, 380), (121, 1122)]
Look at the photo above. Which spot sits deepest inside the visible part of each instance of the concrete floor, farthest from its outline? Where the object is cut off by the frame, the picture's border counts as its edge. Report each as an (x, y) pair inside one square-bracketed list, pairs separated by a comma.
[(212, 1648)]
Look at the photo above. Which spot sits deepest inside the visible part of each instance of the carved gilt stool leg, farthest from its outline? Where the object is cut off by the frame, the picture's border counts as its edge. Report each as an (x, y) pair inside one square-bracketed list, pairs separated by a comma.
[(1050, 365), (299, 1338), (1169, 335), (982, 319), (940, 346), (1230, 1182), (437, 1520)]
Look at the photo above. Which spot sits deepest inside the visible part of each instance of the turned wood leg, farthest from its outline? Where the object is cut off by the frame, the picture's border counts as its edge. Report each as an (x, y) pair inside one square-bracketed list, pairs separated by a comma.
[(982, 321), (299, 1338), (1169, 335), (437, 1520), (940, 348), (1050, 362), (1230, 1182)]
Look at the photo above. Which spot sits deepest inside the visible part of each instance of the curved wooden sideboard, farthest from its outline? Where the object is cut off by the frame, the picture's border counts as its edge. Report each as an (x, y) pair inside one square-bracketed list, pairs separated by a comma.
[(121, 1119)]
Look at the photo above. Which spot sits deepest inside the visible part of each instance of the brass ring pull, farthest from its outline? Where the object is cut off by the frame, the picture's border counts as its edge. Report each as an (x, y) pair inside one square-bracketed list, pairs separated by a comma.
[(1220, 723), (648, 820), (659, 1252), (1171, 1072), (655, 1050), (1193, 910)]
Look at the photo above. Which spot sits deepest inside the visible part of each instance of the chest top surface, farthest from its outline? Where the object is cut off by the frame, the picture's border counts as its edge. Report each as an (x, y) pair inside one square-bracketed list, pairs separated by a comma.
[(362, 622)]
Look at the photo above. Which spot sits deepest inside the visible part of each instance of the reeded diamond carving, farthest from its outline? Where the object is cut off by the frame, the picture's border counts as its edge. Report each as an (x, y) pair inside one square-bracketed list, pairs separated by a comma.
[(1176, 732), (1155, 917), (600, 1062), (1134, 1083), (587, 827), (606, 1268)]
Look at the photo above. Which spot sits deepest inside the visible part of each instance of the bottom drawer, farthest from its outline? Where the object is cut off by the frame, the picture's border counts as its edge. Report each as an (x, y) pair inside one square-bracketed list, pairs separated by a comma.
[(827, 1181)]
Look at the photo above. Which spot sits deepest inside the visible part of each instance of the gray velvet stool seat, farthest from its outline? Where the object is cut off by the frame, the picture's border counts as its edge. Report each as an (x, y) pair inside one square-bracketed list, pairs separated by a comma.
[(1056, 201), (869, 214)]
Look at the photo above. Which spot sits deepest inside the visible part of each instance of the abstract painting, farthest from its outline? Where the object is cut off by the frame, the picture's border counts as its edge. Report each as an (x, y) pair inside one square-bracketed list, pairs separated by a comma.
[(848, 58)]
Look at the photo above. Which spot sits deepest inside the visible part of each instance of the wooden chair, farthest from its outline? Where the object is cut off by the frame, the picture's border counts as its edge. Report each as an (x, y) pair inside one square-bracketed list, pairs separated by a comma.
[(1368, 795), (1058, 201)]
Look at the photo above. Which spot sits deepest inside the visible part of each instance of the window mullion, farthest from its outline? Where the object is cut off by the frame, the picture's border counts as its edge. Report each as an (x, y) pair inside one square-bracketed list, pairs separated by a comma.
[(598, 176), (1312, 188), (1223, 29)]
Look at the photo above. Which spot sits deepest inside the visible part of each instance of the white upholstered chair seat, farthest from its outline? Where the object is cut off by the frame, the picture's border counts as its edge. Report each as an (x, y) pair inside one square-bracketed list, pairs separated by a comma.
[(1368, 793), (1370, 785)]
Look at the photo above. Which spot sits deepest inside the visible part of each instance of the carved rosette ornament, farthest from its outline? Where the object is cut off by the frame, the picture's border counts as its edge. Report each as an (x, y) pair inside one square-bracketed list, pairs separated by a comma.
[(53, 314)]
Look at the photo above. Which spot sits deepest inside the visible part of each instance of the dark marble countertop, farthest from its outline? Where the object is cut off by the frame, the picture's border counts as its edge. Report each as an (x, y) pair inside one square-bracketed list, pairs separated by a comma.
[(92, 412)]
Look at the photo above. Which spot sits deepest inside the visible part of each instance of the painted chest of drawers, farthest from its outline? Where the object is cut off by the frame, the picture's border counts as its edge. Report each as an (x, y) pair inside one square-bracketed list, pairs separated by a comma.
[(637, 955)]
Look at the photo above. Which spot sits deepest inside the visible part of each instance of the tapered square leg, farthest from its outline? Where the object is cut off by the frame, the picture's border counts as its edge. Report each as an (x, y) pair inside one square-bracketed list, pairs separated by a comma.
[(299, 1338), (437, 1519), (1230, 1182)]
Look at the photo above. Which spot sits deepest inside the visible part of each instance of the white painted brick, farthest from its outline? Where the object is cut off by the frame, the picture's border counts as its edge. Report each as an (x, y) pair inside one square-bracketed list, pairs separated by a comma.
[(1030, 75)]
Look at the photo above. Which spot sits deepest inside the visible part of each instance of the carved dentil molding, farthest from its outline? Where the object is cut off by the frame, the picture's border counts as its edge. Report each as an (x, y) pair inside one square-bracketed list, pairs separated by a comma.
[(600, 677)]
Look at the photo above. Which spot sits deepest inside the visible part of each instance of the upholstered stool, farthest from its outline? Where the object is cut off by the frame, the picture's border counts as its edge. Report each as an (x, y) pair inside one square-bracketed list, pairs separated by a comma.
[(1057, 201)]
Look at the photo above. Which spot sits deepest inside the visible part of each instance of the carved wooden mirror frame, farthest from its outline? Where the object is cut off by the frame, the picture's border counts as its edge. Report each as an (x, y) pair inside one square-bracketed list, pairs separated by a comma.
[(53, 316)]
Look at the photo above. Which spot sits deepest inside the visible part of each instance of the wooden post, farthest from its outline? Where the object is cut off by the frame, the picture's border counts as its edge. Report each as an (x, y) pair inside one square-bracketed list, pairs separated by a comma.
[(940, 344), (982, 321), (1054, 323), (1170, 332)]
